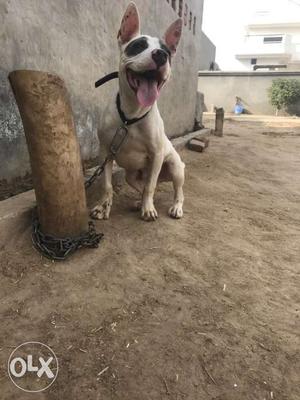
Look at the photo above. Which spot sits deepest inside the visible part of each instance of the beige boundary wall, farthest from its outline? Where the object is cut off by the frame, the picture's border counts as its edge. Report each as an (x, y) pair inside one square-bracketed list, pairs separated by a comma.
[(221, 88)]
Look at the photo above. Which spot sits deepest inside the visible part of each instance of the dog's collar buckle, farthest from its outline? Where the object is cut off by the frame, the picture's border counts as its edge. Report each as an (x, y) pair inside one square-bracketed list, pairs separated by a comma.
[(118, 140)]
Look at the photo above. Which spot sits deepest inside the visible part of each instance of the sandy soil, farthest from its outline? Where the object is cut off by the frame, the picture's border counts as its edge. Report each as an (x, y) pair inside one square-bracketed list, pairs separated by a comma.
[(202, 308)]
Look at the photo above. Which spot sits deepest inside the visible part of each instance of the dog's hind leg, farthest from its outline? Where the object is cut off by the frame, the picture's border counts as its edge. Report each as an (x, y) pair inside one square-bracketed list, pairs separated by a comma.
[(102, 209), (176, 170)]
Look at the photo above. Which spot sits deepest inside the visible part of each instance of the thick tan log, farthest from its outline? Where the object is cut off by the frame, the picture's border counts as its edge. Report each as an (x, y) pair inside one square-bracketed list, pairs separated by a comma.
[(54, 152)]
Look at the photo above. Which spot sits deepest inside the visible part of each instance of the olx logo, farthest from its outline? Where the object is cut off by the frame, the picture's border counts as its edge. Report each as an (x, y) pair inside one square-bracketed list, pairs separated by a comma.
[(33, 367)]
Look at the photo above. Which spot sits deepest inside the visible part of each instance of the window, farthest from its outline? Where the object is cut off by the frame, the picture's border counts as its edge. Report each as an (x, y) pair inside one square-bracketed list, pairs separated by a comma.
[(262, 13), (194, 26), (272, 39), (174, 4), (180, 8), (253, 61), (190, 20), (185, 14)]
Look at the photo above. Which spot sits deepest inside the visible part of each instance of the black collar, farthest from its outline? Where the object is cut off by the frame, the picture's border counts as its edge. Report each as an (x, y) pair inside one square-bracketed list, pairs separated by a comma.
[(123, 117), (106, 78)]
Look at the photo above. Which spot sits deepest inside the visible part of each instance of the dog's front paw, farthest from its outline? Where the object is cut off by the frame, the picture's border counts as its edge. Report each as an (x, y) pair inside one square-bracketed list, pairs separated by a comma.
[(176, 211), (149, 213), (102, 211)]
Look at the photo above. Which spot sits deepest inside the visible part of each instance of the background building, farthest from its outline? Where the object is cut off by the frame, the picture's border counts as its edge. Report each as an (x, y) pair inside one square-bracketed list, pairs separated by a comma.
[(78, 41), (251, 35), (273, 38), (207, 54)]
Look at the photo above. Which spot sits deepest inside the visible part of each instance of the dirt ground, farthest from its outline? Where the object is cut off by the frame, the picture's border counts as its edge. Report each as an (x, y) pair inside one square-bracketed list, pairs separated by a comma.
[(203, 308)]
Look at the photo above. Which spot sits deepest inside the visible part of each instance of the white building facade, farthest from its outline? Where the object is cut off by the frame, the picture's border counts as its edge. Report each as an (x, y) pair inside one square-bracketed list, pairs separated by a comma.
[(272, 39)]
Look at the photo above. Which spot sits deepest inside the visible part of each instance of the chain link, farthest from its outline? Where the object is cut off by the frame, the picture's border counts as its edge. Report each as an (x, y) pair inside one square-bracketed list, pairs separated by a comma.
[(98, 172), (115, 146)]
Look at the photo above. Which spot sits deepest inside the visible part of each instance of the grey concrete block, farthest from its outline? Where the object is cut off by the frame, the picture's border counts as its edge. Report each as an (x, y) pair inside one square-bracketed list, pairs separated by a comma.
[(196, 145), (203, 139), (180, 142)]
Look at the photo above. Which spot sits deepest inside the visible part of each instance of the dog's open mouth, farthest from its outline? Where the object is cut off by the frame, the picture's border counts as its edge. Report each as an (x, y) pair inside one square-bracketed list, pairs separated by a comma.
[(146, 85)]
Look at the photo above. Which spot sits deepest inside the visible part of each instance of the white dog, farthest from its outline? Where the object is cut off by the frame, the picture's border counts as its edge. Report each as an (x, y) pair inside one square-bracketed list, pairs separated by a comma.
[(147, 155)]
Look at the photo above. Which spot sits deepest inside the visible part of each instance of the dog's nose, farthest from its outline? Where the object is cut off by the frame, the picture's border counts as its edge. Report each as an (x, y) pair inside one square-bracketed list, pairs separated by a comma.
[(159, 57)]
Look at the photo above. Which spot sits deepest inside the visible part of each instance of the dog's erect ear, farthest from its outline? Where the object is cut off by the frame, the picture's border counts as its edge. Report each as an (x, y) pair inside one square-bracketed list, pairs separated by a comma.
[(173, 34), (130, 25)]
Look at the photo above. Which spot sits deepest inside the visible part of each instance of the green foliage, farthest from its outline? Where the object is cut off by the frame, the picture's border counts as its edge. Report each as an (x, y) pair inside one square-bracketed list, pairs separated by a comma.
[(284, 92)]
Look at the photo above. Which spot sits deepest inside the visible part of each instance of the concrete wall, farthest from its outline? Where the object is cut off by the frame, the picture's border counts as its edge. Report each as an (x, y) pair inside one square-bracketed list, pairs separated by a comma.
[(207, 52), (77, 40), (221, 88)]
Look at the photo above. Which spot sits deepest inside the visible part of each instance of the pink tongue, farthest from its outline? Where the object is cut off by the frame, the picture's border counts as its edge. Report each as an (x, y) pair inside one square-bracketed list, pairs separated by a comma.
[(147, 92)]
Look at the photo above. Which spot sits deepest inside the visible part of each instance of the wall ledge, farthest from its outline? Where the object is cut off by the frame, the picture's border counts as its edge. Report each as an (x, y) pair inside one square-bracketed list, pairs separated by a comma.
[(249, 73)]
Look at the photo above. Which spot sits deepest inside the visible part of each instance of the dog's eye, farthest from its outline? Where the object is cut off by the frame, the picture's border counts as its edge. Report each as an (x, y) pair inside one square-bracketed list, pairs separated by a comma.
[(165, 48), (136, 47)]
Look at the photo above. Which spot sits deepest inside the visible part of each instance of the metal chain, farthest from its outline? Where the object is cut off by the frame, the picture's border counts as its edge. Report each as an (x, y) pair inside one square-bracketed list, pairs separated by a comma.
[(115, 146), (58, 248), (98, 172)]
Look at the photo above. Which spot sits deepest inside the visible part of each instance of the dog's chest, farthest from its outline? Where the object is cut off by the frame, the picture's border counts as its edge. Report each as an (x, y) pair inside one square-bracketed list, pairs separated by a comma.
[(134, 153)]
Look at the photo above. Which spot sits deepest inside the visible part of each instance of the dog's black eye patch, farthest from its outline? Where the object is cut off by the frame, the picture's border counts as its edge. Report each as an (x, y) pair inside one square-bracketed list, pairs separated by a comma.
[(136, 47), (165, 48)]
